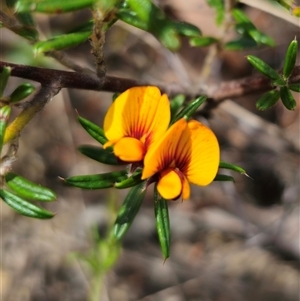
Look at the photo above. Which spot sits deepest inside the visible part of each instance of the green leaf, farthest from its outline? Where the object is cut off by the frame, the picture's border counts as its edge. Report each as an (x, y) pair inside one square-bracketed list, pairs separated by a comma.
[(223, 178), (202, 41), (287, 98), (265, 69), (61, 42), (219, 7), (53, 6), (162, 223), (268, 100), (176, 103), (133, 180), (145, 15), (24, 207), (246, 27), (101, 155), (233, 167), (190, 109), (290, 59), (97, 181), (294, 87), (21, 92), (28, 29), (94, 130), (186, 29), (240, 44), (84, 27), (29, 190), (4, 116), (4, 76), (129, 210)]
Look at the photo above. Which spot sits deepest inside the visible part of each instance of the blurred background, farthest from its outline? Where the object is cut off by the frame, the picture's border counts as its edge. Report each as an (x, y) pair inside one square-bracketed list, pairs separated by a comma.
[(230, 242)]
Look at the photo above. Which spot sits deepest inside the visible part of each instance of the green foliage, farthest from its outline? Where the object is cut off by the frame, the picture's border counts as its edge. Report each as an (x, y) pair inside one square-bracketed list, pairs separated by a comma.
[(52, 6), (4, 76), (61, 42), (101, 155), (147, 16), (279, 81), (97, 181), (290, 59), (129, 210), (202, 41), (162, 223), (250, 35), (189, 109), (133, 180), (294, 87), (29, 190), (176, 103), (287, 98), (24, 207), (4, 116), (224, 178), (219, 7), (94, 130), (21, 92), (268, 100)]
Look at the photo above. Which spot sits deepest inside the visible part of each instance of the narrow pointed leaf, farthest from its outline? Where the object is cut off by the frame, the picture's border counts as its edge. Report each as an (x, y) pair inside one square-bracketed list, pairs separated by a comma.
[(4, 76), (187, 29), (94, 130), (202, 41), (190, 109), (29, 190), (147, 16), (294, 87), (246, 27), (162, 223), (21, 92), (134, 180), (129, 210), (61, 42), (24, 207), (101, 155), (268, 100), (233, 167), (97, 181), (176, 103), (240, 44), (287, 98), (224, 178), (87, 26), (4, 116), (219, 7), (53, 6), (265, 69), (290, 59)]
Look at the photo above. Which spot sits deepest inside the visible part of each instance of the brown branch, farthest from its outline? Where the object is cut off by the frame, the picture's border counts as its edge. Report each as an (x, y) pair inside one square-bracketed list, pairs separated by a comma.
[(86, 81)]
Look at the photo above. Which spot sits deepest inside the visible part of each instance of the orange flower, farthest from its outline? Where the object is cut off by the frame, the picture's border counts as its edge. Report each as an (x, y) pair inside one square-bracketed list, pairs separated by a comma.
[(135, 120), (187, 153)]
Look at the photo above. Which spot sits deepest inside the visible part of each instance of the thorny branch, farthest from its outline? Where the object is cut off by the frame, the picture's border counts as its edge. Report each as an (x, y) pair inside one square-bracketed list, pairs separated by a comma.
[(87, 81)]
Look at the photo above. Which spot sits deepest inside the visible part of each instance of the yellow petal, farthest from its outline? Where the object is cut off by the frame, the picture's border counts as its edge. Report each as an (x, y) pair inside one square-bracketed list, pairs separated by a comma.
[(194, 149), (162, 153), (169, 185), (138, 112), (129, 149), (204, 154), (186, 190)]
